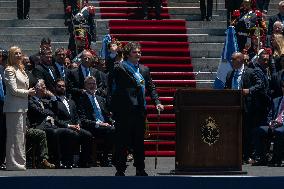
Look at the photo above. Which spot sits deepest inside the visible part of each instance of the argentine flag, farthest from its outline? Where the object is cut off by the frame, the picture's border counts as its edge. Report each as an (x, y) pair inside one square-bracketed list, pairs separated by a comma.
[(225, 65)]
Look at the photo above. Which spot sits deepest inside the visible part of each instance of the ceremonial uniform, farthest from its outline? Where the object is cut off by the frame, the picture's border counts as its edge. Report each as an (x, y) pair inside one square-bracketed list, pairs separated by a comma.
[(247, 24)]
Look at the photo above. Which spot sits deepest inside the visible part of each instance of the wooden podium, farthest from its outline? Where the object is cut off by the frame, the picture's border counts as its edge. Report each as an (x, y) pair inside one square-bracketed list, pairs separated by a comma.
[(209, 132)]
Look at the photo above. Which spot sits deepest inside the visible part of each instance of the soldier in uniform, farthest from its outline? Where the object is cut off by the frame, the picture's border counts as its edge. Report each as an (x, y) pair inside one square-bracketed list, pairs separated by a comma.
[(230, 6), (23, 8), (247, 20), (154, 3)]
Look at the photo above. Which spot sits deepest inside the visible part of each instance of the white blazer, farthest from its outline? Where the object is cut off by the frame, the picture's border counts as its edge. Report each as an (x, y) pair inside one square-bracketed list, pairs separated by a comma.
[(17, 85)]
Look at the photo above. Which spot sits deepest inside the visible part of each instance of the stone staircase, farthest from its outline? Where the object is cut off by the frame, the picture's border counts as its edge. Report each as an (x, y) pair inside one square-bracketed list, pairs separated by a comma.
[(46, 21), (206, 38)]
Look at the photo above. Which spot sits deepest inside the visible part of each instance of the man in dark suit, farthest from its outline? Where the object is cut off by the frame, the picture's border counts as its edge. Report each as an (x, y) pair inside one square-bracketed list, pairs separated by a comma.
[(206, 11), (41, 117), (78, 75), (59, 68), (66, 117), (44, 43), (264, 135), (277, 77), (153, 3), (128, 103), (277, 17), (96, 118), (23, 8), (44, 69), (252, 85)]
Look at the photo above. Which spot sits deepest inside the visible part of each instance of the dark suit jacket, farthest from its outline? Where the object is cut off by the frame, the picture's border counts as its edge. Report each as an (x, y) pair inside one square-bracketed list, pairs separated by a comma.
[(76, 82), (276, 81), (62, 116), (57, 72), (41, 72), (272, 20), (127, 92), (254, 80), (274, 110), (86, 111), (37, 115)]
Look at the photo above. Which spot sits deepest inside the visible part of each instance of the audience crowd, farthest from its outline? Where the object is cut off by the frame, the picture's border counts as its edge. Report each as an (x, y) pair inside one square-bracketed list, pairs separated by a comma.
[(258, 72), (68, 108)]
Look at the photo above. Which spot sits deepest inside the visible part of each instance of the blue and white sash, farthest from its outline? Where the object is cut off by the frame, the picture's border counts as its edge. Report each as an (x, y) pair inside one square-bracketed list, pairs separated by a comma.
[(138, 77)]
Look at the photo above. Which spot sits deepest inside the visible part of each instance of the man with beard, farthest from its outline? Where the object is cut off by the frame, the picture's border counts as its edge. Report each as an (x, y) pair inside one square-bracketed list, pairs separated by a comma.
[(44, 69), (131, 80)]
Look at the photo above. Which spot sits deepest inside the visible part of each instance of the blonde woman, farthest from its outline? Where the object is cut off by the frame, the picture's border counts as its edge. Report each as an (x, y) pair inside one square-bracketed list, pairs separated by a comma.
[(15, 107), (277, 43)]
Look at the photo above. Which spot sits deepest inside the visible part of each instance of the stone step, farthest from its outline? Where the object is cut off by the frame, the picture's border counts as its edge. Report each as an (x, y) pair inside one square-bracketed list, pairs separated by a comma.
[(35, 30), (32, 23), (17, 38), (210, 31), (41, 4), (196, 17), (205, 64), (33, 16), (35, 10), (205, 38), (33, 45)]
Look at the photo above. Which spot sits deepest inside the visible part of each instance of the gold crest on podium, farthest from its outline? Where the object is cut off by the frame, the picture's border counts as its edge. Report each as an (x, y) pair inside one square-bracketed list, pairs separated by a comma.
[(210, 132)]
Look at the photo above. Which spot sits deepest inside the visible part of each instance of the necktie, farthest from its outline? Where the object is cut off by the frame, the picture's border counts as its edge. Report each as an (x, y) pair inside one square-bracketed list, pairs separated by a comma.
[(41, 104), (87, 72), (97, 110), (1, 89), (51, 74), (62, 71), (235, 84), (279, 118)]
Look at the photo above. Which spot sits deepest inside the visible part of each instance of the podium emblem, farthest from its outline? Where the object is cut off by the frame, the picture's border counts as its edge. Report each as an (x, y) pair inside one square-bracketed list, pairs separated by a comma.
[(210, 132)]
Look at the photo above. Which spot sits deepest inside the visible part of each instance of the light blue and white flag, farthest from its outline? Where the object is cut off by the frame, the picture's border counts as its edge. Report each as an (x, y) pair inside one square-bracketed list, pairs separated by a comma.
[(225, 65)]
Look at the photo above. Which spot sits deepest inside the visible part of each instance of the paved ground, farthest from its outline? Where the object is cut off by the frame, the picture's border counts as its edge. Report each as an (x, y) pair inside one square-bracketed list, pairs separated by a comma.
[(165, 165)]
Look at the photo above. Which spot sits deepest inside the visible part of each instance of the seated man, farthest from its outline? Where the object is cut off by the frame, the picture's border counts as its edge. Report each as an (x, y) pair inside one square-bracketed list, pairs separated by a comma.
[(66, 117), (274, 131), (41, 117), (95, 118), (36, 141)]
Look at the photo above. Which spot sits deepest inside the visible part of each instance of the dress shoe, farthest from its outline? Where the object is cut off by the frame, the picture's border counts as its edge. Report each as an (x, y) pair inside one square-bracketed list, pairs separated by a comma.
[(105, 163), (259, 162), (2, 166), (84, 165), (209, 18), (27, 17), (46, 165), (141, 173), (64, 166), (274, 164), (119, 174)]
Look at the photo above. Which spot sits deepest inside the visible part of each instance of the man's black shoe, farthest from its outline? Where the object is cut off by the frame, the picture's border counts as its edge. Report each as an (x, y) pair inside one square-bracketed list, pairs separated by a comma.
[(141, 173), (2, 166), (259, 162), (119, 174)]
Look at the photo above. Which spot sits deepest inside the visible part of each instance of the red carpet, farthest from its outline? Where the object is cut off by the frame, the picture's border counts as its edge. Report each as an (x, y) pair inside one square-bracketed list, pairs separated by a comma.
[(165, 50), (127, 9)]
